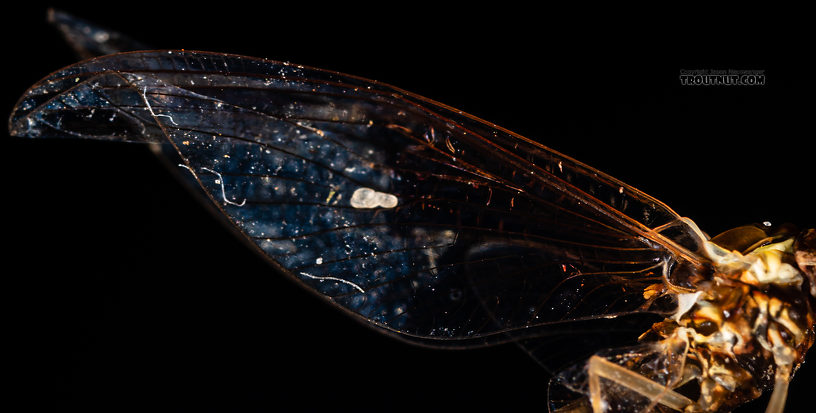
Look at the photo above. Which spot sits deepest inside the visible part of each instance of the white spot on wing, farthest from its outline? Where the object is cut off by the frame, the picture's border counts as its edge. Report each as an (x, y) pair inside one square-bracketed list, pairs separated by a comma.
[(369, 198)]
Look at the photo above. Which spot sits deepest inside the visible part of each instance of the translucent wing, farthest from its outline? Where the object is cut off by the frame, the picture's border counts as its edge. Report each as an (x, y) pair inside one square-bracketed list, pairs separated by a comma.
[(418, 218), (89, 40)]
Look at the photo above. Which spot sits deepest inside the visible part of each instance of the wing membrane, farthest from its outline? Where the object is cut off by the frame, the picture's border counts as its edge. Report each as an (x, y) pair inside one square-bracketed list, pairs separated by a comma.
[(469, 233)]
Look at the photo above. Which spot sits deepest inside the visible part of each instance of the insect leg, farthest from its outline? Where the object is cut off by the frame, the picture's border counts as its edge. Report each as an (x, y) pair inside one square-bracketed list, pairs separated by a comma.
[(780, 391), (599, 367)]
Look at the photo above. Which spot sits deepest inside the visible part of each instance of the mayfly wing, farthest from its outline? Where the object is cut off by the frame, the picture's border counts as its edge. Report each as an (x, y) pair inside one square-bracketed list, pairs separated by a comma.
[(89, 40), (554, 350), (418, 218)]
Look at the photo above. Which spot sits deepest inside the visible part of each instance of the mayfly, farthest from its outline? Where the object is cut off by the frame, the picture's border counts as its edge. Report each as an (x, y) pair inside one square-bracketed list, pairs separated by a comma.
[(442, 229)]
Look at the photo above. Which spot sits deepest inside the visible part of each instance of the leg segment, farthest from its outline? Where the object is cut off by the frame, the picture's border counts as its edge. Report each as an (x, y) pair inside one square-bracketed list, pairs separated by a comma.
[(659, 394)]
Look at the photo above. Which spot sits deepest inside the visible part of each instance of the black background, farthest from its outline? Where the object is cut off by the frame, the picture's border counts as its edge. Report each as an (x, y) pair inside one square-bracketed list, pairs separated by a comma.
[(125, 294)]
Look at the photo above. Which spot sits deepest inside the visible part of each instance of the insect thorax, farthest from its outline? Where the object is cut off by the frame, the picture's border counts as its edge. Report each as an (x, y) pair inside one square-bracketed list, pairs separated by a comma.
[(747, 325)]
